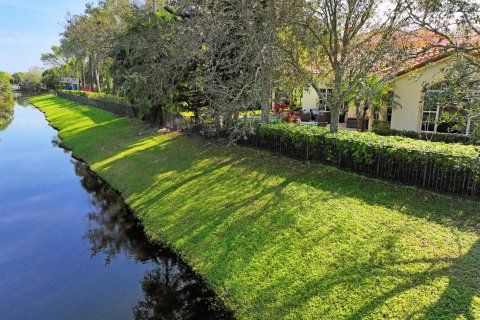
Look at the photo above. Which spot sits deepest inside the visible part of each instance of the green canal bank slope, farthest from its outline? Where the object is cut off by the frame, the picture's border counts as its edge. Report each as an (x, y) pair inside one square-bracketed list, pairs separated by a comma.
[(278, 238)]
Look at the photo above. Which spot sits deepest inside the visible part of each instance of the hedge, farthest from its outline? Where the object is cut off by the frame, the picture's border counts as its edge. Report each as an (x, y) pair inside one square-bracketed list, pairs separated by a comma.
[(435, 137), (453, 168), (98, 96), (114, 104)]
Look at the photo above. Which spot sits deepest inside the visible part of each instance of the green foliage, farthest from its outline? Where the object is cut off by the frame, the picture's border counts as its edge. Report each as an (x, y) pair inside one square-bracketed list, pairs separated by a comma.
[(98, 96), (372, 93), (143, 59), (6, 100), (458, 96), (284, 239), (5, 84), (366, 148), (30, 81), (435, 137), (50, 78)]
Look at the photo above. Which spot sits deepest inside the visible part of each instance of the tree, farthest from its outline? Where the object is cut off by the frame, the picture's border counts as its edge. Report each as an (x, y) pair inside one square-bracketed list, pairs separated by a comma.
[(6, 100), (455, 26), (458, 98), (342, 41), (371, 95), (58, 57), (456, 23), (50, 78), (91, 37), (29, 81), (146, 66), (233, 46)]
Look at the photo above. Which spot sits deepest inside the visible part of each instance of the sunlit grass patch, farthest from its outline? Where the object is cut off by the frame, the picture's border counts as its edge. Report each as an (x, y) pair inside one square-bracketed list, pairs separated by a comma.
[(279, 238)]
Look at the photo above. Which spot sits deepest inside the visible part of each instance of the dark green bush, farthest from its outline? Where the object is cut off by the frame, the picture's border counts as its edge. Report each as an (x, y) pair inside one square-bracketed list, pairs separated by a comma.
[(448, 167), (98, 96), (435, 137)]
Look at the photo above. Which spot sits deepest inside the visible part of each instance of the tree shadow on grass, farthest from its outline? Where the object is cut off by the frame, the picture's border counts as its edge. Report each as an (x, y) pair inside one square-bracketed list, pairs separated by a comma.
[(463, 287), (455, 301), (234, 221)]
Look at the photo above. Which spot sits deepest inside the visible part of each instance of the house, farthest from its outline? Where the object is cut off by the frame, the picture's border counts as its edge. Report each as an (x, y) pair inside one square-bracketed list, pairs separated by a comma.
[(421, 75)]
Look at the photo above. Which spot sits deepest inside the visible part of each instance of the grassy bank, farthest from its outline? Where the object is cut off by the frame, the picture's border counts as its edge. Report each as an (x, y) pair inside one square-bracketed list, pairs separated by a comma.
[(278, 238)]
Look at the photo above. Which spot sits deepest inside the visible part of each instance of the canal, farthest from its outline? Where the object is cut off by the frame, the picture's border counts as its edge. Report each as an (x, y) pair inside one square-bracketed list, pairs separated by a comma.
[(69, 247)]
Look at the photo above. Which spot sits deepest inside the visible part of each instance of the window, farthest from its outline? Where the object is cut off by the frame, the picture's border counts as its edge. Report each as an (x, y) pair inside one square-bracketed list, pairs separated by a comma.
[(383, 114), (432, 113), (389, 114), (322, 101)]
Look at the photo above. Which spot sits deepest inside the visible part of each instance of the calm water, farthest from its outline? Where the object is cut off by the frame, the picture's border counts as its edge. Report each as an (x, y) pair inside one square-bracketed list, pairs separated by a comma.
[(69, 249)]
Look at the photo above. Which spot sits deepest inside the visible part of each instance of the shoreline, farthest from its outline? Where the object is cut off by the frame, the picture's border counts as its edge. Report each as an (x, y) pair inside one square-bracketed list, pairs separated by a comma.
[(219, 304)]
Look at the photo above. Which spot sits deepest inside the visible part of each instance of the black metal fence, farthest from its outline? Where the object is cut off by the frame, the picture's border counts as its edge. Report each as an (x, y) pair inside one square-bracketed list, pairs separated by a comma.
[(427, 174), (122, 110), (172, 121)]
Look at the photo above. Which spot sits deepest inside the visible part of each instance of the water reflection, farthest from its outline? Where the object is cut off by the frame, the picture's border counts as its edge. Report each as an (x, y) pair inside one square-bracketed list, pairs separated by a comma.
[(171, 289), (6, 111), (22, 98)]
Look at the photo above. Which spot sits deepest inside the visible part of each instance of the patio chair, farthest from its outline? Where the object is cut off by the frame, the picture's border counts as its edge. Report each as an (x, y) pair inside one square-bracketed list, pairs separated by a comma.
[(305, 116), (314, 113), (326, 116)]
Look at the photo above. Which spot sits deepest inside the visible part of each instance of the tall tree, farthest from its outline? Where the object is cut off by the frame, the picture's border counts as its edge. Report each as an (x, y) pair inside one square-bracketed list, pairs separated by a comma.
[(339, 42), (234, 44), (91, 37)]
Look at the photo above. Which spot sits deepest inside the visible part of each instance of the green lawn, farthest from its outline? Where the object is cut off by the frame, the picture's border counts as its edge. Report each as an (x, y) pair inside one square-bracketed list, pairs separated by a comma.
[(279, 238)]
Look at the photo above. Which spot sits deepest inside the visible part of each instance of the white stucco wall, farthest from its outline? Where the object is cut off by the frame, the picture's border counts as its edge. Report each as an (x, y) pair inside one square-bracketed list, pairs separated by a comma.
[(309, 99), (409, 91)]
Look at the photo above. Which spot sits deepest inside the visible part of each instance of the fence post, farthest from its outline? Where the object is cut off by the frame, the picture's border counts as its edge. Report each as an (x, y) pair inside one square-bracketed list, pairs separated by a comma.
[(425, 171)]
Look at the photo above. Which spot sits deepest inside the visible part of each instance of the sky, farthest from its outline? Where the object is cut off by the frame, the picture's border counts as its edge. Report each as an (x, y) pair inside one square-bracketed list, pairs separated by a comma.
[(29, 28)]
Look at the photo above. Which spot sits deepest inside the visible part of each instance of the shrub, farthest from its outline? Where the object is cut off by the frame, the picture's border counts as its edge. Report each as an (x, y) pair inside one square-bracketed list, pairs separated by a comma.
[(98, 96), (435, 137), (447, 167)]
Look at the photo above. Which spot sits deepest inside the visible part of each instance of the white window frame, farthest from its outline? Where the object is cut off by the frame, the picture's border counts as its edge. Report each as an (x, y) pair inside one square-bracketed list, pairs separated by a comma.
[(324, 96), (437, 117), (426, 124)]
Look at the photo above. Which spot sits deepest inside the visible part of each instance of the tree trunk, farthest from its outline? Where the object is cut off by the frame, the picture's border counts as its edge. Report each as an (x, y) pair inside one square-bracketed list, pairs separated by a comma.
[(91, 74), (196, 115), (84, 83), (363, 119), (358, 114), (266, 105), (338, 99), (97, 77), (335, 117), (155, 6)]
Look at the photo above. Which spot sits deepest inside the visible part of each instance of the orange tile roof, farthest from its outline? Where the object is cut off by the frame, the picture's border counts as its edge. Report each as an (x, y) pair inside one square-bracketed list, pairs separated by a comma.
[(430, 47)]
